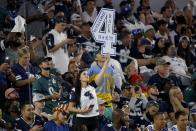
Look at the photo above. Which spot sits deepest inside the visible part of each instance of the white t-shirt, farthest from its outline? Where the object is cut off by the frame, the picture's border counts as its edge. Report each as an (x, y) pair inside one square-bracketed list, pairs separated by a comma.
[(158, 35), (88, 97), (151, 128), (60, 57), (87, 18), (177, 64), (175, 128)]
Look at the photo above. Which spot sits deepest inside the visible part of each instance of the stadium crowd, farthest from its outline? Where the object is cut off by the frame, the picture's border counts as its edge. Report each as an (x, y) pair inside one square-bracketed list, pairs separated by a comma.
[(53, 76)]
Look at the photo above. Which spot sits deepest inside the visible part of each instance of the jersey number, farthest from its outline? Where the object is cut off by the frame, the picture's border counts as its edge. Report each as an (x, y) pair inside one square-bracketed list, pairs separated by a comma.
[(103, 31)]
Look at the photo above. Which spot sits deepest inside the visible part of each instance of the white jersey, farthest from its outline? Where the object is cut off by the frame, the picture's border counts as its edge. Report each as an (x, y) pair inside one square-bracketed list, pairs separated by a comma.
[(60, 57), (88, 97), (175, 128), (151, 128), (177, 64), (158, 35), (87, 18), (134, 28)]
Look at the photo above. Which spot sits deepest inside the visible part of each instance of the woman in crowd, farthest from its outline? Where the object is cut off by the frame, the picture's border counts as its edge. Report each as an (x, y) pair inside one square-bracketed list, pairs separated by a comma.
[(158, 48), (177, 101), (25, 75), (84, 101), (184, 50)]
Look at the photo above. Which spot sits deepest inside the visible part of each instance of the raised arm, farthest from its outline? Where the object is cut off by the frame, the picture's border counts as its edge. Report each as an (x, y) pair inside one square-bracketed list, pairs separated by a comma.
[(99, 77)]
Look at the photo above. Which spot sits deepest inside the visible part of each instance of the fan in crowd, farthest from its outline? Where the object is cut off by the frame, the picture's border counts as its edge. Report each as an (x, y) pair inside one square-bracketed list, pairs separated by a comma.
[(54, 75)]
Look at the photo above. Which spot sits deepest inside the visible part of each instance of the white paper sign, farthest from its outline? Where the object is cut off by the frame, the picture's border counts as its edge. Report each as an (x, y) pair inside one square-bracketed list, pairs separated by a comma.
[(19, 24), (103, 31)]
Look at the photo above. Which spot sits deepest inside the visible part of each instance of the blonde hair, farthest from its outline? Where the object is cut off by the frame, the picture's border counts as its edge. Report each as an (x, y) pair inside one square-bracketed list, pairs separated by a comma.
[(55, 115), (23, 51)]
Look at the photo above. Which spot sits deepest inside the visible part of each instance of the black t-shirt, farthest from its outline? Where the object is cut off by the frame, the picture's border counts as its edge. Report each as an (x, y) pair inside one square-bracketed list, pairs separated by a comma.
[(123, 50), (138, 55), (123, 101), (71, 33), (160, 81), (40, 120)]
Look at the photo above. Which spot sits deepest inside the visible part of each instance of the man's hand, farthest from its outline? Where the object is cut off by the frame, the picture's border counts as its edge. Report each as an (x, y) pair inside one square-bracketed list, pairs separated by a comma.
[(55, 95), (107, 58), (4, 67), (85, 110), (68, 41), (31, 78)]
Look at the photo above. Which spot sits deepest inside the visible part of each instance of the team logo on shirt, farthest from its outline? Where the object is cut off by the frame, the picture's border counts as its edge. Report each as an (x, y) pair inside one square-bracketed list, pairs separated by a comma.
[(88, 94)]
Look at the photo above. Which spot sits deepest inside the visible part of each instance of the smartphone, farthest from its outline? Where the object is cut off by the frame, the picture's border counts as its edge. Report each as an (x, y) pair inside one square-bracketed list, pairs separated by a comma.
[(7, 60), (91, 106)]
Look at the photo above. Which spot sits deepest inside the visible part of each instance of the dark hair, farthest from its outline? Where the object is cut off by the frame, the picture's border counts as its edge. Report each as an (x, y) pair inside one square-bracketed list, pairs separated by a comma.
[(180, 20), (167, 46), (60, 19), (123, 3), (13, 39), (184, 53), (22, 106), (117, 112), (156, 50), (164, 8), (185, 8), (180, 113), (124, 34), (78, 87), (89, 1)]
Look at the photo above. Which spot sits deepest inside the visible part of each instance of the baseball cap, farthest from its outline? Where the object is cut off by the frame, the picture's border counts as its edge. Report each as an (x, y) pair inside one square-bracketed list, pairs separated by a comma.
[(43, 59), (193, 77), (8, 91), (38, 97), (75, 17), (152, 103), (162, 62), (148, 27), (87, 58), (184, 38)]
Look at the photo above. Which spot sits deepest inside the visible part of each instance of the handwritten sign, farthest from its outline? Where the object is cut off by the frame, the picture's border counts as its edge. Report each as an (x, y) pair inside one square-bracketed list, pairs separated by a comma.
[(103, 31)]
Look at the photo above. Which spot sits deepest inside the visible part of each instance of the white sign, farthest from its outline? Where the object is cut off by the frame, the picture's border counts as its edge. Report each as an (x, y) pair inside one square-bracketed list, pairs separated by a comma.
[(103, 31), (19, 24)]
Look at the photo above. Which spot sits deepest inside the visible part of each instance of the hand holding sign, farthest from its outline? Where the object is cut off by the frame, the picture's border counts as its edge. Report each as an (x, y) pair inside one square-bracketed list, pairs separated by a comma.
[(103, 31)]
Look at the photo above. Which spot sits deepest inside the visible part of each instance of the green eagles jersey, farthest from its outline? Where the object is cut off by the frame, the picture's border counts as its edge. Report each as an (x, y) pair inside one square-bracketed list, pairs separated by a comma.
[(46, 86)]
